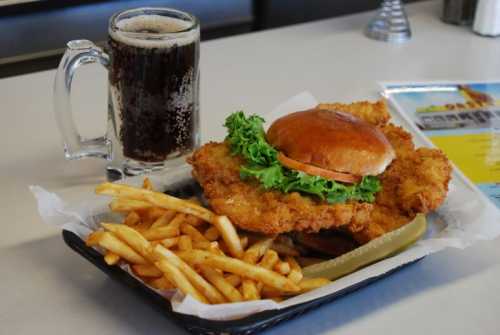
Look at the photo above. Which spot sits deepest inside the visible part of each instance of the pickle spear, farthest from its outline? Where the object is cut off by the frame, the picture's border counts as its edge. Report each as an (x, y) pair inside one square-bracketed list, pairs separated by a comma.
[(375, 250)]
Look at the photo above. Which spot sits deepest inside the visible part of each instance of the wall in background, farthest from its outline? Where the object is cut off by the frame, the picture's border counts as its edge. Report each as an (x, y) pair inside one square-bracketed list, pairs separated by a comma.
[(33, 35)]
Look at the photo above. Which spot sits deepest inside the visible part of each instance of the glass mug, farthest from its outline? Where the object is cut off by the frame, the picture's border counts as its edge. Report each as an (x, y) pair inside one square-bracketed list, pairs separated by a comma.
[(153, 94)]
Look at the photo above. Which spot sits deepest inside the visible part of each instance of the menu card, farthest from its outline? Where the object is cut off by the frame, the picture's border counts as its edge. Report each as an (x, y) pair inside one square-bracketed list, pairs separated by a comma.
[(460, 118)]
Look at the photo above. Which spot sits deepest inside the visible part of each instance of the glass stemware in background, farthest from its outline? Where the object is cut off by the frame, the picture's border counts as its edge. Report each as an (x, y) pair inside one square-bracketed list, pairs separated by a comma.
[(390, 24)]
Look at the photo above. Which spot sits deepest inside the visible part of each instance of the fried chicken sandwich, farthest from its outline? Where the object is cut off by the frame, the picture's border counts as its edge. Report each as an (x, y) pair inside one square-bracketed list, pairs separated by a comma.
[(337, 171)]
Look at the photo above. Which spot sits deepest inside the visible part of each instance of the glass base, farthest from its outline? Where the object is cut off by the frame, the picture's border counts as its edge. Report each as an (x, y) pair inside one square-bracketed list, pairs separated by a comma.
[(131, 168), (136, 168)]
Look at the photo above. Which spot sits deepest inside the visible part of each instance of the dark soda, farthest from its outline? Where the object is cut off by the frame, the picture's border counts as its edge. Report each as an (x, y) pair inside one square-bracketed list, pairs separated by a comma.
[(154, 89)]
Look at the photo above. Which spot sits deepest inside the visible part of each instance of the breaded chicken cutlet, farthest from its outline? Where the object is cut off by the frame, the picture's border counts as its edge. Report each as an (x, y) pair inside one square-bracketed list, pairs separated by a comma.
[(416, 181)]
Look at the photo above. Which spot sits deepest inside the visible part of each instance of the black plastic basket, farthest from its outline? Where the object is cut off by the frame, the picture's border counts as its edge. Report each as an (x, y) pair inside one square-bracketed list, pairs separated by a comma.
[(248, 325)]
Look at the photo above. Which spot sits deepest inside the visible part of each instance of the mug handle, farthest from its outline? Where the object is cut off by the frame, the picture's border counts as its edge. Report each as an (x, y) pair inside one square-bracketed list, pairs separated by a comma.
[(78, 52)]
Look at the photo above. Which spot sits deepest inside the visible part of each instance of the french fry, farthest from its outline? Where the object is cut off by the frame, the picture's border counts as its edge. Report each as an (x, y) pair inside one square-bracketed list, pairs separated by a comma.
[(184, 243), (252, 255), (132, 237), (233, 279), (240, 268), (127, 205), (308, 284), (195, 200), (244, 242), (194, 221), (155, 198), (177, 220), (282, 267), (229, 235), (270, 293), (160, 233), (143, 226), (112, 243), (194, 278), (132, 219), (176, 277), (193, 232), (147, 184), (111, 258), (295, 273), (161, 283), (214, 277), (93, 238), (249, 290), (154, 243), (269, 259), (285, 249), (164, 219), (191, 219), (146, 270), (170, 242), (205, 245), (212, 234), (154, 213), (257, 250), (215, 249)]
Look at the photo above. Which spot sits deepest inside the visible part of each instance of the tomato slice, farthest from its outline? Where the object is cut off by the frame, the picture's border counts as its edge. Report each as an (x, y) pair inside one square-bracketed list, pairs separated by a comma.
[(317, 171)]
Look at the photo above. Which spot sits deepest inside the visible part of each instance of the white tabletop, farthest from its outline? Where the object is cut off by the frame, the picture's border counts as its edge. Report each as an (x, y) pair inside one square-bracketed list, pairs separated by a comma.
[(48, 289)]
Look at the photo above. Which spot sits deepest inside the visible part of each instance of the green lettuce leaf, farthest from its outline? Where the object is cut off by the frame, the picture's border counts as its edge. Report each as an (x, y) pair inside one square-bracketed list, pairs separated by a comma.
[(246, 137)]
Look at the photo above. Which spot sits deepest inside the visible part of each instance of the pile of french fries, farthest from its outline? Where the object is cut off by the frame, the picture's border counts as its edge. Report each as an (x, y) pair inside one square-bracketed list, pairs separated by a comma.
[(173, 243)]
